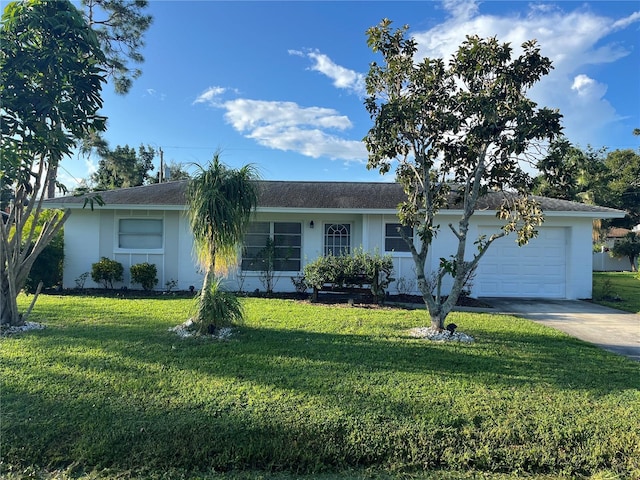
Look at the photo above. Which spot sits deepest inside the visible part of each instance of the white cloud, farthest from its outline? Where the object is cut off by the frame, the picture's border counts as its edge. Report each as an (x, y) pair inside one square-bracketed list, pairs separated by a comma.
[(289, 127), (625, 22), (461, 8), (245, 114), (342, 77), (210, 96), (153, 93), (588, 88), (572, 40)]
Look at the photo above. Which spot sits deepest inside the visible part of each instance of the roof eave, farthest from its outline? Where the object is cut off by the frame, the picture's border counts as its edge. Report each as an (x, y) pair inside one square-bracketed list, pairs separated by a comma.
[(592, 215), (362, 211), (113, 206)]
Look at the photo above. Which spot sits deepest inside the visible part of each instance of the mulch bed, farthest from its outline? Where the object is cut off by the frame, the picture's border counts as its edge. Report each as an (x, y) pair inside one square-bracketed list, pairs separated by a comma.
[(327, 298)]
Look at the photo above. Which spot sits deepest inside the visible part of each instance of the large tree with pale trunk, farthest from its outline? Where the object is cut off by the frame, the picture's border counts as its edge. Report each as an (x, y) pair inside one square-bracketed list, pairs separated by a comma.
[(54, 60), (456, 130), (50, 84)]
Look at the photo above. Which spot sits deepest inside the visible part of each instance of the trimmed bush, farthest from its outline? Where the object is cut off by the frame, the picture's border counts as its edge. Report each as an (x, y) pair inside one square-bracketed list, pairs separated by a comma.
[(106, 272), (146, 274), (360, 268)]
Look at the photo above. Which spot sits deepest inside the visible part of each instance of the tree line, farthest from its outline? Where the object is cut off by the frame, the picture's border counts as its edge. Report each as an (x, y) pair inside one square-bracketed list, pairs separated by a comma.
[(593, 176)]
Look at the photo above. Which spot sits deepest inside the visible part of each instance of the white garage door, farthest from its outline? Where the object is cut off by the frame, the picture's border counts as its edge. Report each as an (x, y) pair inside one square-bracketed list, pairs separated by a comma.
[(537, 269)]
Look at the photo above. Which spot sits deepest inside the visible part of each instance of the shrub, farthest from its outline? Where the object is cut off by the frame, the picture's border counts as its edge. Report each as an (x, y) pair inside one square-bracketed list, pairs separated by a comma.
[(47, 268), (81, 280), (171, 284), (299, 283), (217, 308), (357, 269), (106, 272), (146, 274)]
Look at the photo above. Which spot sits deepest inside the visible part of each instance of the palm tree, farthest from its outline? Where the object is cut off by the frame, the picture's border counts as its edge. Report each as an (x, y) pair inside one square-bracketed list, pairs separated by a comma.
[(220, 201)]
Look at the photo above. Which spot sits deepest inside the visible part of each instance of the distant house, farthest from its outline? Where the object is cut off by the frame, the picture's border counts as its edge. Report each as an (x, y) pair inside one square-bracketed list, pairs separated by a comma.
[(614, 236), (309, 219), (603, 261)]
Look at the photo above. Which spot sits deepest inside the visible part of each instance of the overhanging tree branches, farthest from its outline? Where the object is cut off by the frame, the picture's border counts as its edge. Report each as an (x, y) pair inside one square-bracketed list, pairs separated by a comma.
[(50, 84)]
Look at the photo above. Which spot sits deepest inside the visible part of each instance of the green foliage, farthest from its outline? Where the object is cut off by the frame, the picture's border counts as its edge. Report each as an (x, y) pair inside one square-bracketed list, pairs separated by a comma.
[(170, 284), (265, 261), (119, 26), (300, 284), (624, 186), (217, 308), (146, 274), (47, 268), (628, 247), (107, 271), (456, 132), (121, 168), (50, 79), (620, 290), (357, 269), (172, 172), (567, 172), (221, 201), (81, 280), (50, 84), (609, 179), (307, 389)]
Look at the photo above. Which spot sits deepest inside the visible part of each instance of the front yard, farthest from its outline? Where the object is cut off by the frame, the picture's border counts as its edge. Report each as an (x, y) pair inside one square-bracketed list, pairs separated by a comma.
[(106, 391), (619, 290)]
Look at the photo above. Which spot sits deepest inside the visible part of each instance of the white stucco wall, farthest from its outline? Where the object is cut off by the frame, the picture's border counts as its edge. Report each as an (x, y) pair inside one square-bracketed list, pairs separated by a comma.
[(81, 246), (90, 235)]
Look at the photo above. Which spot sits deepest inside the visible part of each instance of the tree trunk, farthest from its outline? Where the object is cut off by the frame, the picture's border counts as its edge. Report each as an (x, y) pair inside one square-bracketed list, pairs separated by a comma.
[(51, 183), (437, 321), (8, 302), (209, 276)]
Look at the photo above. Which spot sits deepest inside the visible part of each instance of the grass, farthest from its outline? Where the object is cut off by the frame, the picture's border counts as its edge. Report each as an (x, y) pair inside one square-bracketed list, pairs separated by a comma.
[(105, 391), (619, 290)]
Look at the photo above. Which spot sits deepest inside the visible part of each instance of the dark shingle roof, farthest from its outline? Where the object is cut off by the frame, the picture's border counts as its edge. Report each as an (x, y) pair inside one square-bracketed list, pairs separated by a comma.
[(312, 195)]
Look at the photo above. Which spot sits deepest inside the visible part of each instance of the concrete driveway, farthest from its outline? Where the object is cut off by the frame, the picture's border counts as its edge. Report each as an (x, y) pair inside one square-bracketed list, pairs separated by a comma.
[(613, 330)]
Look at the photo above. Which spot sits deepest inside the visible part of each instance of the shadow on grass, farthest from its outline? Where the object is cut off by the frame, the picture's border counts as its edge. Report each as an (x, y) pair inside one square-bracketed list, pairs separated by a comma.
[(304, 360), (110, 396)]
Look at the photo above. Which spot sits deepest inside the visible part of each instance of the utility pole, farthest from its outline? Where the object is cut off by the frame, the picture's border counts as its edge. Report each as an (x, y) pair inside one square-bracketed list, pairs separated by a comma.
[(161, 173)]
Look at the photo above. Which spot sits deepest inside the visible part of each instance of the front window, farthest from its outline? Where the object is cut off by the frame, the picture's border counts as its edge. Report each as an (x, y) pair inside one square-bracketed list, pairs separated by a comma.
[(393, 241), (277, 242), (337, 239), (140, 233)]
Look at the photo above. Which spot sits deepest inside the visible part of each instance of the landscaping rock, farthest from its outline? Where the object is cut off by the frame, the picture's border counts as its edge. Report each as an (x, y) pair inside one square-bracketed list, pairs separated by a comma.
[(22, 328), (189, 329), (434, 335)]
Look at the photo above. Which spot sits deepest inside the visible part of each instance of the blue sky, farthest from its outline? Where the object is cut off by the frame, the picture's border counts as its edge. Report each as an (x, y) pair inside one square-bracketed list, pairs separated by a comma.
[(280, 84)]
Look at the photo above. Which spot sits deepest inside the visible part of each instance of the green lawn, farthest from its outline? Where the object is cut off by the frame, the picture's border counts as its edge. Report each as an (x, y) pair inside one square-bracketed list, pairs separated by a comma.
[(619, 290), (105, 391)]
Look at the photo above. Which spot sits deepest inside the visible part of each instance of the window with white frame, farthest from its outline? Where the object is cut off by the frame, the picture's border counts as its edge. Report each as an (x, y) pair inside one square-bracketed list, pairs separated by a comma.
[(287, 246), (140, 233), (393, 241), (337, 239)]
